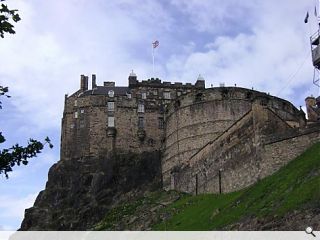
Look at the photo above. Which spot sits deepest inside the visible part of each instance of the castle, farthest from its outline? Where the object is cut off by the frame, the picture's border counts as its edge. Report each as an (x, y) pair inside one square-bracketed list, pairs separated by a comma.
[(215, 140)]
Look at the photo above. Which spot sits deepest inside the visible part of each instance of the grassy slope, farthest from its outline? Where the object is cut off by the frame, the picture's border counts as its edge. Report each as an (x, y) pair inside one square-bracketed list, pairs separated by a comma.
[(295, 186)]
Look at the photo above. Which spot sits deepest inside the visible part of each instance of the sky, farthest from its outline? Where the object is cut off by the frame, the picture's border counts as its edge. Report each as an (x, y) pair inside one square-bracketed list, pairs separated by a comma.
[(251, 43)]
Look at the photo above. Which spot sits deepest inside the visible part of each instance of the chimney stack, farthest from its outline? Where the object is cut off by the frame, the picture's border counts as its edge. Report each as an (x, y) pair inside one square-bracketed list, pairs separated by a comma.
[(83, 83), (132, 79), (94, 82)]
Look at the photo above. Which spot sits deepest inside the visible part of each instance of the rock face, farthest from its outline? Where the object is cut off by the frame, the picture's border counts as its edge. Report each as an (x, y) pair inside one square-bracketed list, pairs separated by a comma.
[(79, 192), (296, 220)]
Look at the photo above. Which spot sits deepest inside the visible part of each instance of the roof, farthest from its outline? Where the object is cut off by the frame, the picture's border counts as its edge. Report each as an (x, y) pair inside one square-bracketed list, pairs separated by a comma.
[(101, 90)]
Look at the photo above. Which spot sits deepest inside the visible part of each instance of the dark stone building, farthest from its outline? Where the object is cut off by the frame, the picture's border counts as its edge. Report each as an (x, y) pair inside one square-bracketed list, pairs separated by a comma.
[(117, 143), (110, 119), (181, 121)]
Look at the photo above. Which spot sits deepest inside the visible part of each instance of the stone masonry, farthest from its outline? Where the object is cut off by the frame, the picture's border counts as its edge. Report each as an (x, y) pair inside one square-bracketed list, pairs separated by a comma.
[(211, 140), (109, 119)]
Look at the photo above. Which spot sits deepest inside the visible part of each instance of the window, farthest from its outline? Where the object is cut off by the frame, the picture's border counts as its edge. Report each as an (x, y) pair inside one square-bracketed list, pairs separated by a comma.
[(75, 102), (81, 123), (161, 123), (76, 115), (128, 95), (155, 92), (72, 125), (110, 121), (166, 95), (81, 110), (178, 93), (111, 93), (140, 122), (144, 95), (110, 106), (140, 108)]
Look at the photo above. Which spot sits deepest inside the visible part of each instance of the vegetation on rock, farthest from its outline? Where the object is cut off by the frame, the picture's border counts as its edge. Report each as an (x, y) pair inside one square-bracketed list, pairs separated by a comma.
[(292, 190)]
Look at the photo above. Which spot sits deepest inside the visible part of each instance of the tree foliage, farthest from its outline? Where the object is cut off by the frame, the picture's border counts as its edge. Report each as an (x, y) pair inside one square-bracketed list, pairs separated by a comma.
[(18, 154), (9, 157), (6, 15)]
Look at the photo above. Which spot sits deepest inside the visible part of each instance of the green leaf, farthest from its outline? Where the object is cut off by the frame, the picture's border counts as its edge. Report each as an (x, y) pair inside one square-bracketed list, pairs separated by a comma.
[(2, 139)]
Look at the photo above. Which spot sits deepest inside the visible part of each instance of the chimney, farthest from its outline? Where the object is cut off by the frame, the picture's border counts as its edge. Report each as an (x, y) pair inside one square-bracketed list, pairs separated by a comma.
[(94, 83), (109, 84), (132, 79), (83, 83), (200, 83)]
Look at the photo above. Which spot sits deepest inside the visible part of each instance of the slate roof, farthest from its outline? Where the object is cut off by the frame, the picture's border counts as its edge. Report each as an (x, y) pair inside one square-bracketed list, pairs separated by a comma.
[(101, 90)]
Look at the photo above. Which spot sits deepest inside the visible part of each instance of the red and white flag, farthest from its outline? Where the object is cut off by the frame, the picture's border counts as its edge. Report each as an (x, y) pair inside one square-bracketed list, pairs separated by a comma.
[(155, 44)]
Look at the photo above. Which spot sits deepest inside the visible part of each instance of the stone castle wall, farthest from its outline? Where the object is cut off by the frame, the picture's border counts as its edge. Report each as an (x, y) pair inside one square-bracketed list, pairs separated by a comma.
[(212, 140), (280, 150), (196, 119), (256, 146), (85, 127)]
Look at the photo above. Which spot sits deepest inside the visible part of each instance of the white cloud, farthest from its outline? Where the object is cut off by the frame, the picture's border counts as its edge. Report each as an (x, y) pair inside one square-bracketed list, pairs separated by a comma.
[(6, 228), (56, 41), (12, 207), (59, 40), (272, 55), (218, 16)]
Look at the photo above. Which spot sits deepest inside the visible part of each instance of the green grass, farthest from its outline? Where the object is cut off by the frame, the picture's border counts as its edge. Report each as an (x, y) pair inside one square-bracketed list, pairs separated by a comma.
[(293, 187), (132, 208)]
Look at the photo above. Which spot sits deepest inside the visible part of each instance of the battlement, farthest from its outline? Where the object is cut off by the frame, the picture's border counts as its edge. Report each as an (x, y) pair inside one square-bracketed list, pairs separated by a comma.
[(157, 83), (133, 82)]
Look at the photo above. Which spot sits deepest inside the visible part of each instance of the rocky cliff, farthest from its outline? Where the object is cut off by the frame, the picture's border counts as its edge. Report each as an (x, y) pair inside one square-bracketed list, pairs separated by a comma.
[(80, 192)]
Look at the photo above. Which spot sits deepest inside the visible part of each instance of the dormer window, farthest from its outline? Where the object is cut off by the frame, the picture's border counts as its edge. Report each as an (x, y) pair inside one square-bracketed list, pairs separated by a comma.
[(111, 93)]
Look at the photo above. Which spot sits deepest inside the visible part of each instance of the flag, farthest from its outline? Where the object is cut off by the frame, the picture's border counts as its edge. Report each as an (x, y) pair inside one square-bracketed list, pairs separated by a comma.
[(315, 11), (306, 18), (155, 44)]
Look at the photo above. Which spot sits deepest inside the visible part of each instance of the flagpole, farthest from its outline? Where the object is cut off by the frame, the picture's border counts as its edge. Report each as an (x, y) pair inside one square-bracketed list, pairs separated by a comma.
[(152, 60), (154, 45)]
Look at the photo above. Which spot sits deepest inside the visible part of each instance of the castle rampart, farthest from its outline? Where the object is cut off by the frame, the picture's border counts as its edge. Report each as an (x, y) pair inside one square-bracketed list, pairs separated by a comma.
[(211, 140), (241, 155), (198, 118)]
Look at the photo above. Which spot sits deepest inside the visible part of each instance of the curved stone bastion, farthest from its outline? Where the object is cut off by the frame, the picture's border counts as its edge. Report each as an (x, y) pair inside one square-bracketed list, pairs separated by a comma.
[(196, 119)]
